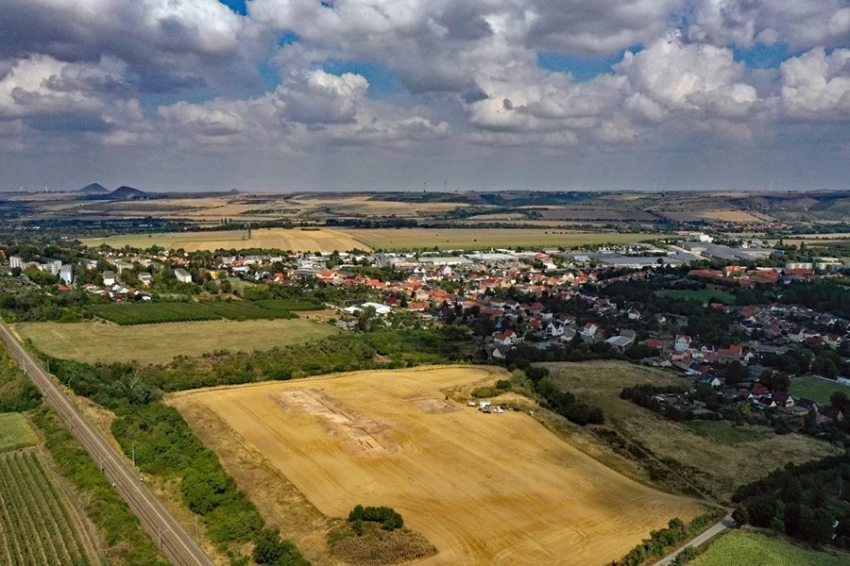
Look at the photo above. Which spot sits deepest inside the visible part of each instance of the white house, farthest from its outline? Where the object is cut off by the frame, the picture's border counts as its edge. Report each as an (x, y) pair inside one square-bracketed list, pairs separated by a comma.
[(182, 275), (506, 338), (109, 278), (682, 343), (555, 329), (589, 330), (145, 278)]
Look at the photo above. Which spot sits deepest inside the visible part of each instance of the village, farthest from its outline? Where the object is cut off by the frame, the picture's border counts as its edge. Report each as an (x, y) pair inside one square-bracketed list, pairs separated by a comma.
[(550, 300)]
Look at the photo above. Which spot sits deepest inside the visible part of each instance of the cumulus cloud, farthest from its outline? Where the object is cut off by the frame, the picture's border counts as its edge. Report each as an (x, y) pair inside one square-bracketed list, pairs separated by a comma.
[(310, 108), (694, 77), (161, 40), (817, 85), (800, 23)]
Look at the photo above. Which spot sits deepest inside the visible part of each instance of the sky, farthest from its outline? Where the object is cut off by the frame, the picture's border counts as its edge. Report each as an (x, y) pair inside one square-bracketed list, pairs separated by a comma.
[(413, 95)]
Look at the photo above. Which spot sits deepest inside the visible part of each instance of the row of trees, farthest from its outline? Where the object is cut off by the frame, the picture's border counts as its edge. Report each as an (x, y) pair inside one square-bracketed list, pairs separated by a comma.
[(563, 402)]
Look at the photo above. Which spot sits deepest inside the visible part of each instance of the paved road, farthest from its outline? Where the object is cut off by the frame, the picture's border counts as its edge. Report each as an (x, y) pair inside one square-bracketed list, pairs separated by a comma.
[(724, 523), (160, 524)]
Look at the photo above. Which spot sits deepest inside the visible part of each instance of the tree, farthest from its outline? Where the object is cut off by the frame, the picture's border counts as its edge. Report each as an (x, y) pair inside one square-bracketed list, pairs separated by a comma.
[(740, 516), (735, 372), (840, 401)]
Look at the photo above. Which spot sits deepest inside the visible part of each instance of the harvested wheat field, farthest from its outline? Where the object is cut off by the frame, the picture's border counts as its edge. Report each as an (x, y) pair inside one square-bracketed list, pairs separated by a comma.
[(483, 488), (294, 239)]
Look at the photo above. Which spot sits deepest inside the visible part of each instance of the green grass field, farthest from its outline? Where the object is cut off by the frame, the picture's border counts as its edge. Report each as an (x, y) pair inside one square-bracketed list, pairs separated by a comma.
[(815, 389), (701, 295), (713, 466), (159, 343), (723, 432), (15, 432), (154, 313), (484, 239), (753, 549)]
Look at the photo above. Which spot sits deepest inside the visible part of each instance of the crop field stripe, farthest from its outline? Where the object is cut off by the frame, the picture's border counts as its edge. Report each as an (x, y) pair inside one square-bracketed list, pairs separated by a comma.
[(41, 514), (131, 314), (54, 506), (57, 500), (15, 553), (23, 531), (39, 529)]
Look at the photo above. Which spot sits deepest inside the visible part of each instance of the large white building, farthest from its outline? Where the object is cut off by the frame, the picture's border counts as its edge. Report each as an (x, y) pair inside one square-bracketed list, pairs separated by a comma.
[(67, 274)]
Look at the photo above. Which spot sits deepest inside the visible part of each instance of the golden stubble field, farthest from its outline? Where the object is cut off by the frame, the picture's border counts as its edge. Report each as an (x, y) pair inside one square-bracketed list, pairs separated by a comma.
[(483, 488), (293, 239)]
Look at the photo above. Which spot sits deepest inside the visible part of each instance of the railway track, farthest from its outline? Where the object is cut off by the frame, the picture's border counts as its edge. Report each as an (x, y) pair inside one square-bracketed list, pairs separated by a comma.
[(173, 540)]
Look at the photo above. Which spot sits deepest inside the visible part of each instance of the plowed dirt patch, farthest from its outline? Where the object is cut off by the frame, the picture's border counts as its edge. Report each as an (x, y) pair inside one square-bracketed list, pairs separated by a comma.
[(482, 488)]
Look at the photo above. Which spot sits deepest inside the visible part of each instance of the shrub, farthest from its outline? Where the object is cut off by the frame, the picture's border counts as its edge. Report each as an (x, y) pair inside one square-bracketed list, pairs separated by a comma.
[(389, 518)]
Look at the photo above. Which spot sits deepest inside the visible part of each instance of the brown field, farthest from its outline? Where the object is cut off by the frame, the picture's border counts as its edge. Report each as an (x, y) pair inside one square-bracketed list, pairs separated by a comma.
[(729, 216), (295, 239), (483, 489), (366, 205), (711, 466), (159, 343)]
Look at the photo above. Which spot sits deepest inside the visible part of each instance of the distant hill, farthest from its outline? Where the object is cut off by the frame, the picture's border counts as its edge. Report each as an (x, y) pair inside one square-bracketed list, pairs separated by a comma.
[(93, 189), (125, 192)]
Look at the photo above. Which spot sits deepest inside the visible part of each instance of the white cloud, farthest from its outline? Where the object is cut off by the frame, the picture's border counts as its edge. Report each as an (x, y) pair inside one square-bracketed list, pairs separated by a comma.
[(817, 85), (800, 23)]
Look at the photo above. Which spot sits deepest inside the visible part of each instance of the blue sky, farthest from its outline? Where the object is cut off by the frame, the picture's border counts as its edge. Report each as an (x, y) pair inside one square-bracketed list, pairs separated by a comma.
[(388, 94)]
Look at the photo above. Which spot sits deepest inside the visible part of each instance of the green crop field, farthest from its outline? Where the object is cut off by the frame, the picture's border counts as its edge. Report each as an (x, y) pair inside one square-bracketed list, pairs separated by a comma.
[(484, 239), (723, 432), (815, 388), (15, 432), (701, 295), (159, 343), (38, 525), (759, 550), (154, 313)]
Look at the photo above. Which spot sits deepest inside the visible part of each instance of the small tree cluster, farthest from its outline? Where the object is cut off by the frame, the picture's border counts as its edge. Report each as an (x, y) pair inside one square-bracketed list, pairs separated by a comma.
[(389, 518), (270, 549)]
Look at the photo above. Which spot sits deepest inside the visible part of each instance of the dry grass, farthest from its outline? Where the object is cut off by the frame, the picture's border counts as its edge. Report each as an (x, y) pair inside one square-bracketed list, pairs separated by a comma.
[(318, 240), (159, 343), (483, 489), (712, 467)]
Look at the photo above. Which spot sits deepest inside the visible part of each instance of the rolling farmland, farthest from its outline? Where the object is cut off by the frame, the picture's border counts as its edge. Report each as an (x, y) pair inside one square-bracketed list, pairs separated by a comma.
[(159, 343), (296, 240), (39, 525), (473, 238), (483, 489), (346, 239)]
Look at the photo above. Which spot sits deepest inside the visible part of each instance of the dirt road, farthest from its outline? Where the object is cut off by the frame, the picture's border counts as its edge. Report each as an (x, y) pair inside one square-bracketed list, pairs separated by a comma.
[(174, 542), (724, 523)]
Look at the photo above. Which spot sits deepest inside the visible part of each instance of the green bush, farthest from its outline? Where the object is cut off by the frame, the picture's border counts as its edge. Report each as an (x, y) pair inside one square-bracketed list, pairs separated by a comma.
[(389, 518)]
